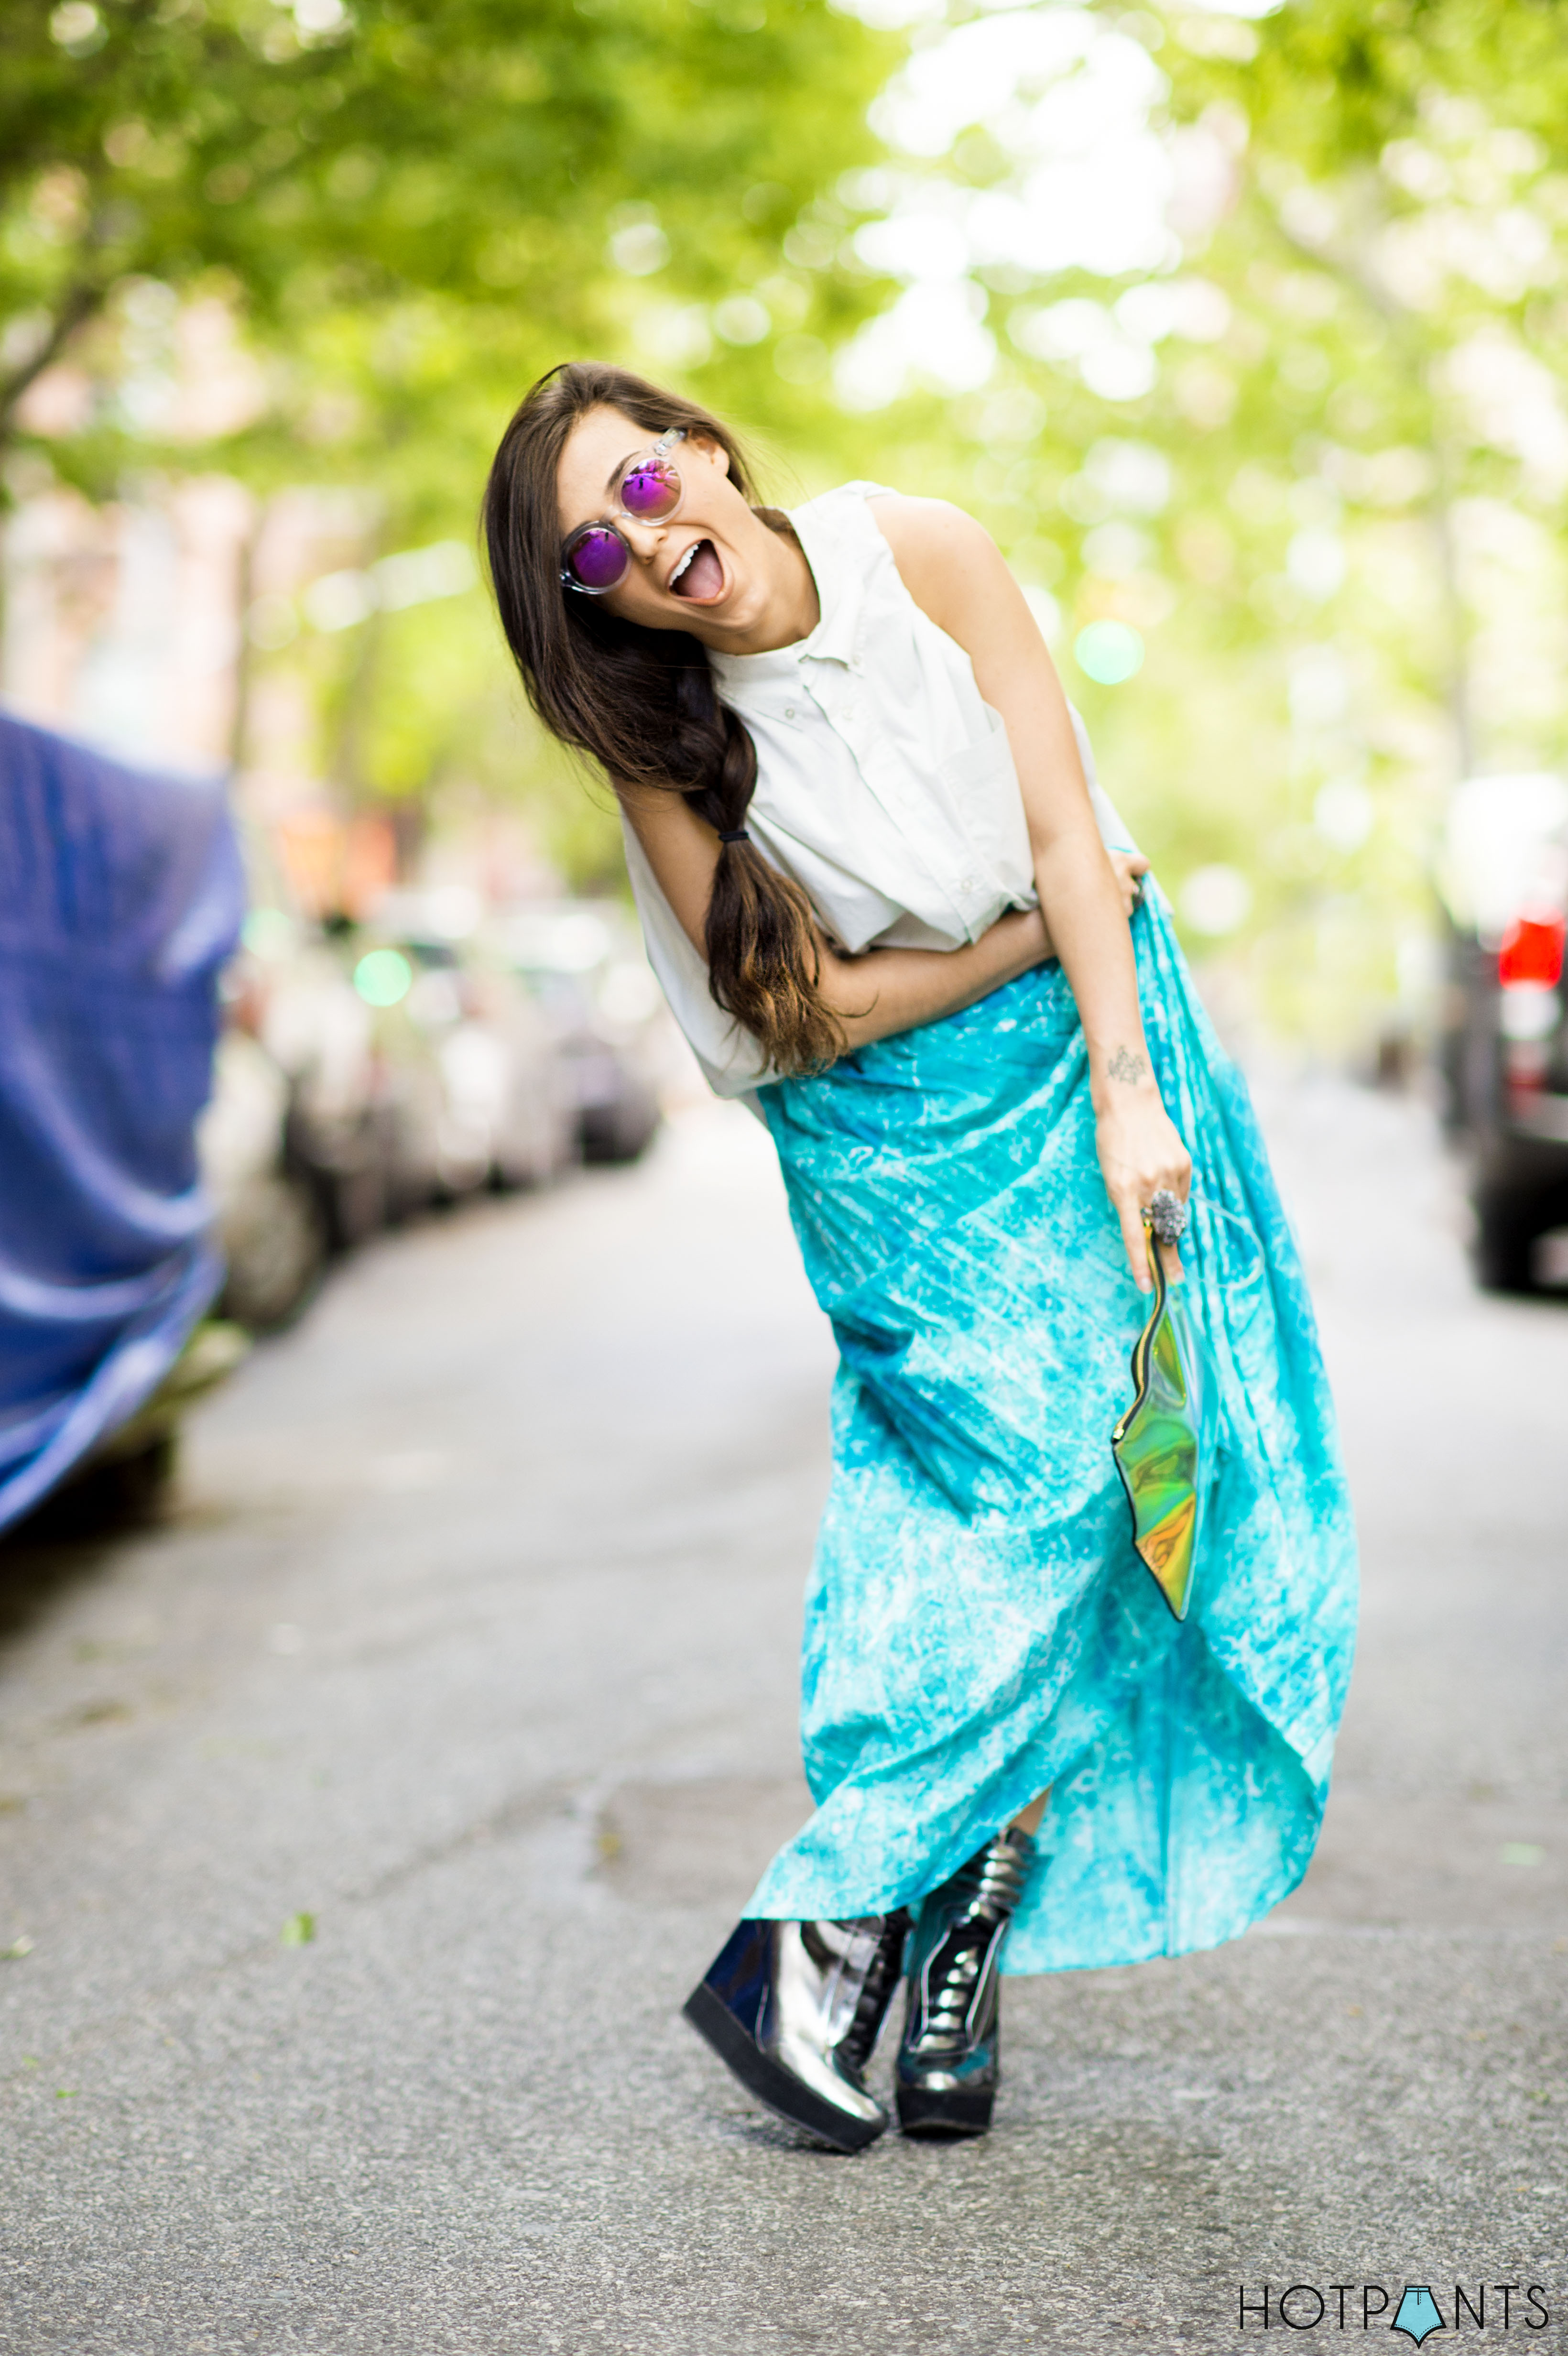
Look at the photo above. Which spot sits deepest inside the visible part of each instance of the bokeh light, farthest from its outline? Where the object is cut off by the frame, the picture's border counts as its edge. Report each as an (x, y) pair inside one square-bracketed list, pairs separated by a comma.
[(1108, 652), (1216, 900), (383, 977)]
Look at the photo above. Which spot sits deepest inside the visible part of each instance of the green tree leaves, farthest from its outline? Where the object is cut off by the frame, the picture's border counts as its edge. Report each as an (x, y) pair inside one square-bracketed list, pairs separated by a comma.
[(481, 154), (407, 209)]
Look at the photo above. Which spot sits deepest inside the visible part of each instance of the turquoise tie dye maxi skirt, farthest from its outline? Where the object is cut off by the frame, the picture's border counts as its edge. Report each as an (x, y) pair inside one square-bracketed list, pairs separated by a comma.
[(977, 1625)]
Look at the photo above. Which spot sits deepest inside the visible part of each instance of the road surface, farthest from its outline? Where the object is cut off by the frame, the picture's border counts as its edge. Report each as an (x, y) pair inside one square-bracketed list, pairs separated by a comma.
[(470, 1651)]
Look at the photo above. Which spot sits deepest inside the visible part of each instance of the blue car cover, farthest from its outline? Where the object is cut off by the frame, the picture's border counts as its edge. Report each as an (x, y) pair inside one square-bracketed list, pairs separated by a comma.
[(121, 896)]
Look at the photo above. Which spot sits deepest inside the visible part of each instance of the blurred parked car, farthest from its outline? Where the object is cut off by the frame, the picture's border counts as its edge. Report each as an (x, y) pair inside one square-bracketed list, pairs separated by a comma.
[(364, 1073), (298, 1143), (506, 1116), (1504, 1054), (270, 1225), (585, 966)]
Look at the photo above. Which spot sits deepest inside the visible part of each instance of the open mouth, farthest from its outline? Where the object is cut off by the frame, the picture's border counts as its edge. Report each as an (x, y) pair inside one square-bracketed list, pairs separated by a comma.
[(699, 576)]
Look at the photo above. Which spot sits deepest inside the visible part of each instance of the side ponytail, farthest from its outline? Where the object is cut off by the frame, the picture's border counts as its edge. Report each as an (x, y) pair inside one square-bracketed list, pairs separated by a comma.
[(643, 704), (763, 963)]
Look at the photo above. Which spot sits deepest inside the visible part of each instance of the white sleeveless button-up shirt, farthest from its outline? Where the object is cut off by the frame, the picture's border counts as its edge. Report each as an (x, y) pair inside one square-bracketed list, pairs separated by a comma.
[(885, 784)]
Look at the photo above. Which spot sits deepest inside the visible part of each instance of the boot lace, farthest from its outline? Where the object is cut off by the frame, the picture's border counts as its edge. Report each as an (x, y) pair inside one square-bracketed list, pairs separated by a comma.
[(982, 1897)]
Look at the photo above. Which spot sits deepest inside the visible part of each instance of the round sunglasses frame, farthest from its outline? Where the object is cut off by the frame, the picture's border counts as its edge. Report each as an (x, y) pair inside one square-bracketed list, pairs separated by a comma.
[(656, 452)]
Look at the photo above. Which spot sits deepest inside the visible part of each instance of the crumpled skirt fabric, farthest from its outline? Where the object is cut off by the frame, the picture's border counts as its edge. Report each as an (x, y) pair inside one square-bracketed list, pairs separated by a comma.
[(977, 1624)]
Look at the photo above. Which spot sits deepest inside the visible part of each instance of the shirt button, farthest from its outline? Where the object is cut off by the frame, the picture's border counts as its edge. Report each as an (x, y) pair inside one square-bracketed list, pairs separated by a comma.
[(970, 884), (789, 711)]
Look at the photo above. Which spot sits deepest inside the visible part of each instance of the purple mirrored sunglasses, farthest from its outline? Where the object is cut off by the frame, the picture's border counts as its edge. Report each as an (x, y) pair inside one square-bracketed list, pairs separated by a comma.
[(648, 490)]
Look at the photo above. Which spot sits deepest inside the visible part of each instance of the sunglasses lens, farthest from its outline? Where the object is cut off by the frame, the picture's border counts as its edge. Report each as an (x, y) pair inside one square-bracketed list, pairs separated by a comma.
[(597, 560), (650, 489)]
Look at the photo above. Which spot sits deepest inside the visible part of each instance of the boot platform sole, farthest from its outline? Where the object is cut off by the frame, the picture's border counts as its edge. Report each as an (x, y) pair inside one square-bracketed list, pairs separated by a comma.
[(772, 2085), (944, 2111)]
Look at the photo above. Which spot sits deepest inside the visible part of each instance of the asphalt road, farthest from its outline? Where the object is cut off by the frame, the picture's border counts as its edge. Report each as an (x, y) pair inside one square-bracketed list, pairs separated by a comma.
[(473, 1640)]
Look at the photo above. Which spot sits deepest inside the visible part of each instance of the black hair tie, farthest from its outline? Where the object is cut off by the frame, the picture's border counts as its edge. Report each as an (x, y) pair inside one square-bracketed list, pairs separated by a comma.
[(738, 835)]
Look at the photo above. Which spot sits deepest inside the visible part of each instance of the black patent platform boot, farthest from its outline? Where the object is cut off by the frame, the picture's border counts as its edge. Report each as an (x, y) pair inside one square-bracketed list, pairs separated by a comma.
[(794, 2008), (948, 2066)]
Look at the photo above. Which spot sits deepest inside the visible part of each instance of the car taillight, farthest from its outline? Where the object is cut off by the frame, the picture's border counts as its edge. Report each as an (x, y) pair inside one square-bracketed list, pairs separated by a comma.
[(1533, 952)]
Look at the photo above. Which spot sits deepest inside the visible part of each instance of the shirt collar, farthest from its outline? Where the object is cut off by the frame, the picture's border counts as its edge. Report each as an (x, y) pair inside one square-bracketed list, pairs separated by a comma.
[(840, 597)]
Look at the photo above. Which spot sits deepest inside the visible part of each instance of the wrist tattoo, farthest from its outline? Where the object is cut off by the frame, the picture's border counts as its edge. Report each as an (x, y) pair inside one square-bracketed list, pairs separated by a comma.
[(1127, 1067)]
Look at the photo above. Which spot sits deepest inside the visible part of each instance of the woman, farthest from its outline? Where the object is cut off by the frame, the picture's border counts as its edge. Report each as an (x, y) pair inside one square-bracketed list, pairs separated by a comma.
[(888, 904)]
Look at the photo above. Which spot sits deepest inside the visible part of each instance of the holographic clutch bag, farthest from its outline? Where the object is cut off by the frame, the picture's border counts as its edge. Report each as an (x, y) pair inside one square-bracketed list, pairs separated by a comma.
[(1162, 1444)]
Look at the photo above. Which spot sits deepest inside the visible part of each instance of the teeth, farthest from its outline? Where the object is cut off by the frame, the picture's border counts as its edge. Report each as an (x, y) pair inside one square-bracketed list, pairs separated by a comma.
[(684, 561)]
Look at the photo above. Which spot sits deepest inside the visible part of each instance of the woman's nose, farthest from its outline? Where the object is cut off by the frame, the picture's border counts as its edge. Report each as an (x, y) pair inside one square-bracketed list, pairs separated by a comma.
[(645, 539)]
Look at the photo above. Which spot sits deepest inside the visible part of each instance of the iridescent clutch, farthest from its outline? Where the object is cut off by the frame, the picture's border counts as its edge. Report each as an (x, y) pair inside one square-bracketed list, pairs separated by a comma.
[(1162, 1443)]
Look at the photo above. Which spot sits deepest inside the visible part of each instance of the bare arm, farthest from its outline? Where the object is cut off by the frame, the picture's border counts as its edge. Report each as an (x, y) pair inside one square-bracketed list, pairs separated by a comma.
[(873, 996), (955, 571)]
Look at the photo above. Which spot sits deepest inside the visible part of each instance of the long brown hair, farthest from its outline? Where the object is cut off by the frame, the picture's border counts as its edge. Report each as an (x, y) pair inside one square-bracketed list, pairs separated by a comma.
[(643, 703)]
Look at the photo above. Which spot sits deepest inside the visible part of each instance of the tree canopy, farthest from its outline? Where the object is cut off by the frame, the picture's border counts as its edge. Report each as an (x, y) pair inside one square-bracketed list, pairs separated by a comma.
[(1287, 468), (325, 166), (1284, 470), (407, 209)]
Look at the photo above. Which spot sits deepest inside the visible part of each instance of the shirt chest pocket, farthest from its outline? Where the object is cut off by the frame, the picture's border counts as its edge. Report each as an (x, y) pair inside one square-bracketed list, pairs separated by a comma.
[(979, 790)]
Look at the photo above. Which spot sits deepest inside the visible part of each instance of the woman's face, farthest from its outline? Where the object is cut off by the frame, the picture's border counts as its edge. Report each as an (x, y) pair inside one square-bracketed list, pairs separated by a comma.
[(712, 569)]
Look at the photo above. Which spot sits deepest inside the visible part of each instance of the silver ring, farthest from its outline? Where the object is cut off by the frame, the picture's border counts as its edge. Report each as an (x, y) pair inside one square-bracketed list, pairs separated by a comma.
[(1166, 1215)]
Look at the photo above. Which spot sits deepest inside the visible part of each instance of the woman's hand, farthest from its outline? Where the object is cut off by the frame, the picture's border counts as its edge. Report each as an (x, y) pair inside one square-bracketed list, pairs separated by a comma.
[(1140, 1152), (1130, 867), (1139, 1148)]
